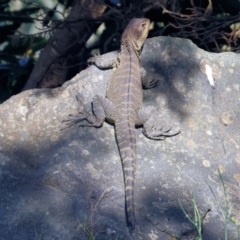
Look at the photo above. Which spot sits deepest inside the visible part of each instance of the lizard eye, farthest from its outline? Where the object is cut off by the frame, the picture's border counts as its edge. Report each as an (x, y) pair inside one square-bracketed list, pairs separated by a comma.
[(144, 24)]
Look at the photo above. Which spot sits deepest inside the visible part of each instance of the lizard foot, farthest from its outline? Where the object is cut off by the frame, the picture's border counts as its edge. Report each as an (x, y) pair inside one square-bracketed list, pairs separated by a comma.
[(151, 83), (158, 134), (82, 118), (92, 60)]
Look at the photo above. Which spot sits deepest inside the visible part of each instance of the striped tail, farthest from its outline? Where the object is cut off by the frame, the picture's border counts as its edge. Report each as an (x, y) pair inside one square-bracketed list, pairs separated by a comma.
[(126, 138)]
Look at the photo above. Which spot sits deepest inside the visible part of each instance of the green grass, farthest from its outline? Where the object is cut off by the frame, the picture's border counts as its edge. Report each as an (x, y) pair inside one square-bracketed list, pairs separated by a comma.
[(224, 209), (87, 230), (197, 219)]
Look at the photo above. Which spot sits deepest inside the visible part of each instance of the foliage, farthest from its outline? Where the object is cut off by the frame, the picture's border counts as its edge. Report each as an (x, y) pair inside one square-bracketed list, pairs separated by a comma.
[(212, 25), (225, 212), (16, 58)]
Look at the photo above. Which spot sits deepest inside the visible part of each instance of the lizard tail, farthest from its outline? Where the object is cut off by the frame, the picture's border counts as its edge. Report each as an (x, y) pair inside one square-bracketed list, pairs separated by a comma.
[(126, 137)]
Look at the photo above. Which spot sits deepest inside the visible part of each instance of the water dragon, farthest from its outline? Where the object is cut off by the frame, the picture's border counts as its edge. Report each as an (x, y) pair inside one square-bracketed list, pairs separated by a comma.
[(123, 104)]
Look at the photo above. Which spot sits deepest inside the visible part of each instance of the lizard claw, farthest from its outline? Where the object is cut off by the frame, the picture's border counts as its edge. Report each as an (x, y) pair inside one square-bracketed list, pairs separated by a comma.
[(92, 59), (148, 82), (81, 116), (153, 83), (158, 134), (73, 119)]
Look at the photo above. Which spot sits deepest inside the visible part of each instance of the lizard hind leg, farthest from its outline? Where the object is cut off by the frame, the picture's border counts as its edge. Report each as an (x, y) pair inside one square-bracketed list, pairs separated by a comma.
[(151, 132), (100, 106), (149, 128)]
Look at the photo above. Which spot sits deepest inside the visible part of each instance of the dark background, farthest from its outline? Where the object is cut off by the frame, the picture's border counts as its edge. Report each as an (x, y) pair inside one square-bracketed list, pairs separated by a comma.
[(63, 29)]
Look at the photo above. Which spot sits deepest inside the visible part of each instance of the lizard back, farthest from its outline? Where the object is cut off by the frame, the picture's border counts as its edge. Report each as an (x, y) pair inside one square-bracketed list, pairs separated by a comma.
[(124, 90)]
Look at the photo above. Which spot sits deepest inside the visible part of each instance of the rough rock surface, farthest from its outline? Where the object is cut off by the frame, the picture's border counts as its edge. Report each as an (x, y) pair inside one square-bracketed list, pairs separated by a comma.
[(69, 184)]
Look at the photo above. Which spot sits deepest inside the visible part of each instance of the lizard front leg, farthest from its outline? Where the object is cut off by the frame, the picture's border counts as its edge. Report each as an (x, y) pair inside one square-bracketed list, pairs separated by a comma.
[(147, 80), (149, 128), (107, 60)]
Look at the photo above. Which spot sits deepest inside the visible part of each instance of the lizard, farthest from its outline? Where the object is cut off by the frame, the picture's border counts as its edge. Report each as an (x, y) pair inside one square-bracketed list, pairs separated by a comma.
[(122, 104)]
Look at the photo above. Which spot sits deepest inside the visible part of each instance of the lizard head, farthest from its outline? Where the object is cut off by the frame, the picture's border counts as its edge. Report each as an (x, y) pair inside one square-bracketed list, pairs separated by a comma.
[(136, 32)]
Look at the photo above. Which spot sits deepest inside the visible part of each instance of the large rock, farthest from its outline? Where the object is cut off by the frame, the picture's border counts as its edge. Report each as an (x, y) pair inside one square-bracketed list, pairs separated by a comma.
[(69, 184)]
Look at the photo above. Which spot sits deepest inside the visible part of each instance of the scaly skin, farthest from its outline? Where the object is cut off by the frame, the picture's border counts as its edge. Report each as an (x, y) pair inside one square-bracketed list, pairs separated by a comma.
[(123, 102), (125, 92)]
